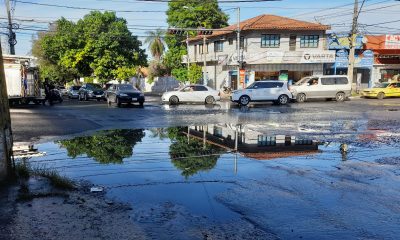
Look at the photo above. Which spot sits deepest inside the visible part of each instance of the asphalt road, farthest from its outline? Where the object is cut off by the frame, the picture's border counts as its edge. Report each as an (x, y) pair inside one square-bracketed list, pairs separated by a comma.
[(41, 123)]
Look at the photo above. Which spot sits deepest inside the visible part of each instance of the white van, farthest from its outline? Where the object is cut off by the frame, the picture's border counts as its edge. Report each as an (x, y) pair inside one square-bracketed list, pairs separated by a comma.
[(336, 87)]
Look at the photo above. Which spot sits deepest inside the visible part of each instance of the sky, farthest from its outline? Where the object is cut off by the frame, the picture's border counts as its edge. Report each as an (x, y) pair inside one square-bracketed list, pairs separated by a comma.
[(377, 17)]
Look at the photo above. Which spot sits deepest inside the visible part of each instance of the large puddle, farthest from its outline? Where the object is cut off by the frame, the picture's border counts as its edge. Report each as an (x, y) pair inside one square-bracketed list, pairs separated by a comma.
[(204, 169)]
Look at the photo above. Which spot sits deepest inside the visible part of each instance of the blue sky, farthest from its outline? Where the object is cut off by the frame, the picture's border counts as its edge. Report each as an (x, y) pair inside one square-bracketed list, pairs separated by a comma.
[(323, 11)]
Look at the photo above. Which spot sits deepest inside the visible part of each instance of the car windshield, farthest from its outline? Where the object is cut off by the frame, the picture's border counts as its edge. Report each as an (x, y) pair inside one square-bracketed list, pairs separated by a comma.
[(301, 81), (381, 85), (126, 87), (75, 88), (94, 86)]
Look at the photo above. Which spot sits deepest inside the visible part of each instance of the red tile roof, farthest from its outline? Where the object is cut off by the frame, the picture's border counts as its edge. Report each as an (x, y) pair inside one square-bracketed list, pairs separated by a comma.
[(269, 22)]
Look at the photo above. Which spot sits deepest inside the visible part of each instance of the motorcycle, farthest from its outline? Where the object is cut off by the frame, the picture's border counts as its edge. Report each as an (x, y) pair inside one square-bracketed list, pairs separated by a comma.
[(54, 96)]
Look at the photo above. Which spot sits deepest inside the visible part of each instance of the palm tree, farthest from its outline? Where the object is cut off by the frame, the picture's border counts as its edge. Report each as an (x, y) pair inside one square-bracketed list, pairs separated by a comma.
[(156, 43)]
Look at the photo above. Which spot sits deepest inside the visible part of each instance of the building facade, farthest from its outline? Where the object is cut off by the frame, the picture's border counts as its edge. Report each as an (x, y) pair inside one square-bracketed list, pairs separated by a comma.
[(386, 50), (364, 60), (272, 47)]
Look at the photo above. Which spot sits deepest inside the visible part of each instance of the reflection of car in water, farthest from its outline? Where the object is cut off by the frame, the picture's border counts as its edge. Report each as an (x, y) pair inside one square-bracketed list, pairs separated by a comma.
[(263, 91), (91, 91), (192, 93), (336, 87), (382, 90), (124, 93)]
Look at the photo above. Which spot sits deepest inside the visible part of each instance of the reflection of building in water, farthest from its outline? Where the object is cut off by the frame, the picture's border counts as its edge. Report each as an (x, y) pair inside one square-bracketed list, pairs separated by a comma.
[(252, 143)]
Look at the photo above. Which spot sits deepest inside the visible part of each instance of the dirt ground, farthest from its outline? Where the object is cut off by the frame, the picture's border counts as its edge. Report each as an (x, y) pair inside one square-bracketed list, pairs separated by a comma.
[(55, 214)]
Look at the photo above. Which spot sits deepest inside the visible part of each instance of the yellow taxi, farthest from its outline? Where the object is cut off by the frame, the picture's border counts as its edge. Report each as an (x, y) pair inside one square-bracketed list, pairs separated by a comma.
[(382, 90)]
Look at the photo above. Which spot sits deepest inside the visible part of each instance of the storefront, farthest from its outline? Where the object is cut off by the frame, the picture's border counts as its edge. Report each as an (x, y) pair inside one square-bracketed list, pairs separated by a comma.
[(363, 64), (284, 65), (386, 50)]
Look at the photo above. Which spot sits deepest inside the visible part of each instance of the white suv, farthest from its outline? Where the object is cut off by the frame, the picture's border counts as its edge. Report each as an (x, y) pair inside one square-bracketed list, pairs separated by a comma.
[(263, 91)]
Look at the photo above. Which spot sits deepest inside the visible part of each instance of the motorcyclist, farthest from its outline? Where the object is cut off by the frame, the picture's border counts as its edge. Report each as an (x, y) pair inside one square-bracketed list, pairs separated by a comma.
[(48, 87)]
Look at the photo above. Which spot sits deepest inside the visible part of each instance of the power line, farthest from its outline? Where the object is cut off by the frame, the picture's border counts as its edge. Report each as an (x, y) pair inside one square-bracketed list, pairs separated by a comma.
[(92, 9)]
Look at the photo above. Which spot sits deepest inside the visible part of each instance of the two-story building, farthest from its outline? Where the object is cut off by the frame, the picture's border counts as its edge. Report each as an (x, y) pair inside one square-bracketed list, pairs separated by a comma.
[(272, 47)]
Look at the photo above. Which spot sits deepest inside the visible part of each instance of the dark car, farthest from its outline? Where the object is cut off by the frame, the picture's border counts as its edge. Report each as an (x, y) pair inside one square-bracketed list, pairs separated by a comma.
[(124, 93), (91, 91)]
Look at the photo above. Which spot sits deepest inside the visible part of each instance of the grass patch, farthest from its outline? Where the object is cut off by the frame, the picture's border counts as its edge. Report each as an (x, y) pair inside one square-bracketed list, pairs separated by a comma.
[(55, 178), (24, 171)]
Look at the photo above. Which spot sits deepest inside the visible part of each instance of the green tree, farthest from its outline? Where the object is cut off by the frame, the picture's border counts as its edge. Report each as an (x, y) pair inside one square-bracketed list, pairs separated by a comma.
[(156, 43), (189, 14), (191, 157), (106, 146), (195, 73), (99, 45)]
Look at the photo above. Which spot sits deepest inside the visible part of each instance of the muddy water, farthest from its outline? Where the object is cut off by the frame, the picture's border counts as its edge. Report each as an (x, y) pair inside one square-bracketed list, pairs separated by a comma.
[(233, 181)]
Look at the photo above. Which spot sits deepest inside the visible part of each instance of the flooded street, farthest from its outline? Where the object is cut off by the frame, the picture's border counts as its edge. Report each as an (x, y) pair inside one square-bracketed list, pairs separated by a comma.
[(334, 180)]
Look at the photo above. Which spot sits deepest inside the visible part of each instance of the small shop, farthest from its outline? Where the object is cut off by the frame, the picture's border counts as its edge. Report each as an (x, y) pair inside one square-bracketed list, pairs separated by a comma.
[(386, 50)]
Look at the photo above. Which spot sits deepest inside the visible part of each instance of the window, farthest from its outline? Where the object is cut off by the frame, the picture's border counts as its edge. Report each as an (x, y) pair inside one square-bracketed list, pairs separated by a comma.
[(218, 46), (242, 42), (195, 52), (292, 42), (200, 89), (270, 40), (230, 40), (309, 41), (334, 81), (201, 49), (342, 81), (328, 81)]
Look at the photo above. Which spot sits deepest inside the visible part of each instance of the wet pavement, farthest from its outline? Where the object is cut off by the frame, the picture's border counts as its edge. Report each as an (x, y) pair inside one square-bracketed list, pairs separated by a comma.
[(272, 180)]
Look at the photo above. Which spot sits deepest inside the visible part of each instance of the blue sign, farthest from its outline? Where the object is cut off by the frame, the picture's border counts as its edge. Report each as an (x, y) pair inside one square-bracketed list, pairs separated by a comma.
[(343, 42), (364, 60)]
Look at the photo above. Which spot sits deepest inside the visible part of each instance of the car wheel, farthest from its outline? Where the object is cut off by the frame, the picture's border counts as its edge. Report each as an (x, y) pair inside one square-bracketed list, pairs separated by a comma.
[(210, 100), (173, 100), (340, 97), (283, 99), (118, 102), (244, 100), (301, 98), (381, 95)]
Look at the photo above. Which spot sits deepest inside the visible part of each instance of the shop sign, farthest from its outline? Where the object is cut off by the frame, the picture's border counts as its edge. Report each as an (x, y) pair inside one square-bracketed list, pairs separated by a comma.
[(365, 60), (343, 42), (392, 42), (271, 57), (242, 75), (318, 57)]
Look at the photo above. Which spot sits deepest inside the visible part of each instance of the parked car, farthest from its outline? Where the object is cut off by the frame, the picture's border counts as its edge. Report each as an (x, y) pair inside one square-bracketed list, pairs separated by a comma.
[(191, 94), (73, 91), (62, 90), (382, 90), (91, 91), (336, 87), (124, 93), (263, 91)]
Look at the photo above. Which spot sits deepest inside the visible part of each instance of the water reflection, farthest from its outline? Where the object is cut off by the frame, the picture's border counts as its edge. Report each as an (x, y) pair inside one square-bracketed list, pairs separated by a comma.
[(106, 146), (191, 155)]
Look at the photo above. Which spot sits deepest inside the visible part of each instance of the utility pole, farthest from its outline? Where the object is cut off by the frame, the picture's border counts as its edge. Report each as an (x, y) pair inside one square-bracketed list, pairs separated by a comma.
[(187, 49), (5, 126), (11, 34), (353, 37), (238, 48), (205, 61)]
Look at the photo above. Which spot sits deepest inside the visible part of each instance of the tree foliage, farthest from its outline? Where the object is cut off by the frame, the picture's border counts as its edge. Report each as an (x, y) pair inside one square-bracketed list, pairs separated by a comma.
[(191, 157), (155, 39), (189, 14), (195, 73), (99, 45), (106, 146)]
